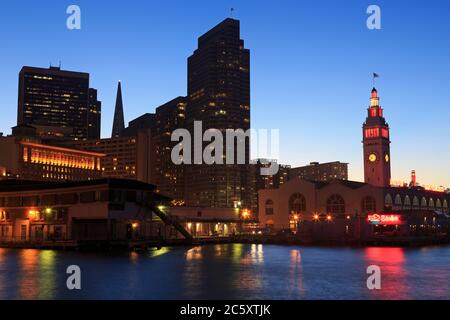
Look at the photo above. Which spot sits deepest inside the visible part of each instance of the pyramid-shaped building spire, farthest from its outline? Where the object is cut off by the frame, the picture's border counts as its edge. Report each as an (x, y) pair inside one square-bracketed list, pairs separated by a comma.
[(119, 121)]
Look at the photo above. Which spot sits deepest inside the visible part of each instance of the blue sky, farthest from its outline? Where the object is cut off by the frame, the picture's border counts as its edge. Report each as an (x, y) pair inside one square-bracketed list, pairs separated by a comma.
[(311, 66)]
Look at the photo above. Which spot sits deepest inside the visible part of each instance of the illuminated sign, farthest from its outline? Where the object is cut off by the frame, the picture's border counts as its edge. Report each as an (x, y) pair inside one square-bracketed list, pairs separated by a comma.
[(385, 219)]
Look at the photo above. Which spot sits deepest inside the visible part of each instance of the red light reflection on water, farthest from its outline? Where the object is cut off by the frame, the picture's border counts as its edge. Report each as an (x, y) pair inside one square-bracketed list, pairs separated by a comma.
[(394, 284)]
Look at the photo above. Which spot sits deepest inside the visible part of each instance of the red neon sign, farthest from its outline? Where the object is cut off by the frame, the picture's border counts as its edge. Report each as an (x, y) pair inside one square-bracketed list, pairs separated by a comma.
[(384, 219)]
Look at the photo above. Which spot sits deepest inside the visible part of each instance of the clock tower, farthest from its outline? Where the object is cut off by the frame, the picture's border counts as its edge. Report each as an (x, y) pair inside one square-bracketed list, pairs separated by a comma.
[(376, 140)]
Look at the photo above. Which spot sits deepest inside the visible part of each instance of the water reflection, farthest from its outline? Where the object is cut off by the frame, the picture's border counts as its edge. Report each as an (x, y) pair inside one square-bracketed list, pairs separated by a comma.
[(394, 274), (296, 273), (235, 271), (159, 252), (47, 274), (28, 274)]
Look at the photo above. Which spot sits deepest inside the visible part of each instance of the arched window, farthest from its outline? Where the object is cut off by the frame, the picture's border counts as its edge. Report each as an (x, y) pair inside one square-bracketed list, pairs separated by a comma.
[(369, 205), (336, 204), (438, 203), (445, 205), (297, 203), (388, 200), (269, 207), (424, 202), (407, 201), (398, 200), (431, 203), (415, 202)]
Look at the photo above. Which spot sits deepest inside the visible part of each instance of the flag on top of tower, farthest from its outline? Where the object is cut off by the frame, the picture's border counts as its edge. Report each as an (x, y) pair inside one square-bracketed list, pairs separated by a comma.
[(376, 75)]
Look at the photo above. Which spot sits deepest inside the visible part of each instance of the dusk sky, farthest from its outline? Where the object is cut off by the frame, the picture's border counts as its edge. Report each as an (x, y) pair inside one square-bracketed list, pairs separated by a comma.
[(311, 67)]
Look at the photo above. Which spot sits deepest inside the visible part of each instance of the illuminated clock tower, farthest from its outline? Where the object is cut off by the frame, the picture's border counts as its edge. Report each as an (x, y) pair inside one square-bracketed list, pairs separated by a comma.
[(377, 156)]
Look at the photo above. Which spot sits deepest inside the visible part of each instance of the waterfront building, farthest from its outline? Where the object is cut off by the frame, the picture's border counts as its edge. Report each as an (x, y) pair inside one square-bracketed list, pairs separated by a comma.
[(219, 97), (357, 209), (59, 103), (316, 171), (214, 222), (78, 212), (24, 156)]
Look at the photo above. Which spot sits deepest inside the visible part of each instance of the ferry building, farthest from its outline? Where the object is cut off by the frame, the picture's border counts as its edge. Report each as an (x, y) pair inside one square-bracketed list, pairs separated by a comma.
[(350, 209)]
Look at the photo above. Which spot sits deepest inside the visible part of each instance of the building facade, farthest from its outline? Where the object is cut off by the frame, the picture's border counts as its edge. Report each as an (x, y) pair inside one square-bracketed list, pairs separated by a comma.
[(219, 97), (58, 103), (23, 156), (169, 176), (100, 210), (321, 171), (126, 157)]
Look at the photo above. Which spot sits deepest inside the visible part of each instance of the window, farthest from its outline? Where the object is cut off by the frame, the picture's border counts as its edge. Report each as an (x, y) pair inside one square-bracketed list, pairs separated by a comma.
[(369, 205), (388, 200), (407, 201), (336, 204), (269, 207), (398, 200), (88, 196), (424, 202), (415, 201), (431, 203), (297, 203)]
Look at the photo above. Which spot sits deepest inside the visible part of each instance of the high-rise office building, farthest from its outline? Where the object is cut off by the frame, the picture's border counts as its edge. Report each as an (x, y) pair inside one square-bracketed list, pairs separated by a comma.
[(58, 103), (169, 176), (219, 97)]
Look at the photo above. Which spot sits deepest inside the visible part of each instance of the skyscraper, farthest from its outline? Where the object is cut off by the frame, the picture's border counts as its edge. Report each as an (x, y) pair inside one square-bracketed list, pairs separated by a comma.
[(119, 121), (219, 96), (58, 103), (169, 177), (376, 140)]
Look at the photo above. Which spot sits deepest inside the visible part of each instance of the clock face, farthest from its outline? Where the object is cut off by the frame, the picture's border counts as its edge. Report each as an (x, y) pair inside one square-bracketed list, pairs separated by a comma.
[(386, 158), (372, 157)]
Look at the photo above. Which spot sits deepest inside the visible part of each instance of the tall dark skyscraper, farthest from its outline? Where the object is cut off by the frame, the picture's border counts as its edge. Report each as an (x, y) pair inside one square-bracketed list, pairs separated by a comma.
[(119, 121), (219, 96), (169, 177), (58, 103)]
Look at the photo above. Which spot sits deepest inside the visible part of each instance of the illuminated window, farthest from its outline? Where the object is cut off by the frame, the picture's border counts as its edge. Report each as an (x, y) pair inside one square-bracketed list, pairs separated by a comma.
[(25, 154), (372, 132)]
